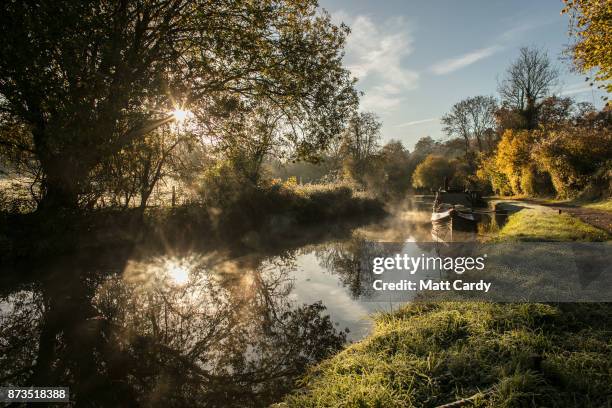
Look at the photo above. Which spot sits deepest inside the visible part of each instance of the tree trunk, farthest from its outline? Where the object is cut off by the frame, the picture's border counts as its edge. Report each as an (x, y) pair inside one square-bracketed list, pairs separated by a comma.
[(531, 114), (478, 139), (61, 186)]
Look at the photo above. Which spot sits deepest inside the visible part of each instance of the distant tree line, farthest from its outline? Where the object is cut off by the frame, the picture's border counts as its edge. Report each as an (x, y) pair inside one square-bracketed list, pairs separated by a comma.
[(532, 142)]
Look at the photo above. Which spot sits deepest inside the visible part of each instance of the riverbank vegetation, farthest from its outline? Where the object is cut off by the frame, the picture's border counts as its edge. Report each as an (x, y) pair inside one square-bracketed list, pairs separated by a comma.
[(278, 211), (494, 355)]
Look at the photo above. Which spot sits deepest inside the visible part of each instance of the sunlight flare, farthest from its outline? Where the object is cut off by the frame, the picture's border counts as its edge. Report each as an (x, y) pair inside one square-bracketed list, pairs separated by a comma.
[(180, 115), (178, 273)]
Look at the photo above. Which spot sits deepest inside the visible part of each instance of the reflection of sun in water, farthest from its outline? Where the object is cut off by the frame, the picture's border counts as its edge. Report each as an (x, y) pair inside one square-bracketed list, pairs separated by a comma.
[(167, 271)]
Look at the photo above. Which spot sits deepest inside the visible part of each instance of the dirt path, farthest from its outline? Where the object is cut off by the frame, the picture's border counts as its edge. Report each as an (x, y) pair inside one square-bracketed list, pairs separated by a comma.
[(597, 218)]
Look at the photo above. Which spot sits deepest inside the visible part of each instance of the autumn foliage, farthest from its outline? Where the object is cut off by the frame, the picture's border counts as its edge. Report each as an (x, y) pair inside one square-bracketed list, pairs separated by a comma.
[(591, 27), (563, 162)]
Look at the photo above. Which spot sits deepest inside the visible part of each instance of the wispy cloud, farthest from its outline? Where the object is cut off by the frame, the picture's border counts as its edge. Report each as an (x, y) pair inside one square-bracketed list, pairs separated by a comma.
[(374, 54), (576, 89), (502, 40), (453, 64), (518, 30), (416, 122)]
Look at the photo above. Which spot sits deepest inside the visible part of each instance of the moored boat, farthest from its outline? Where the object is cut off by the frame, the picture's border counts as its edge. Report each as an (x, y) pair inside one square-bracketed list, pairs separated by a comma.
[(459, 219), (455, 209)]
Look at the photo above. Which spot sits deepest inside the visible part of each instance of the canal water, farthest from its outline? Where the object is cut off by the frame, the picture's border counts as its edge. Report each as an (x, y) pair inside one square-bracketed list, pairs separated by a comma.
[(185, 327)]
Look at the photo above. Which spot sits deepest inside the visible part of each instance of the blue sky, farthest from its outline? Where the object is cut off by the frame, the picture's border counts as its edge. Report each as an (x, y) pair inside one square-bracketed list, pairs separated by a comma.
[(415, 59)]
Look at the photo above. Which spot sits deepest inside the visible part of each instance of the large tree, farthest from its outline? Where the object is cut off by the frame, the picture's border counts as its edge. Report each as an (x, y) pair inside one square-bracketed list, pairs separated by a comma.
[(90, 78), (528, 80), (472, 119)]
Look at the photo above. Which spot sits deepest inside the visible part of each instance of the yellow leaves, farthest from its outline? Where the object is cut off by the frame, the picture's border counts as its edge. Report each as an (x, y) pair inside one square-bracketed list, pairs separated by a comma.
[(513, 151), (432, 171), (592, 21), (512, 170)]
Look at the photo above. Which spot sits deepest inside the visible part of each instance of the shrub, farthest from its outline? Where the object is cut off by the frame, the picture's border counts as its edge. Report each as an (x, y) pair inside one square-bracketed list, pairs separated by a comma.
[(221, 185), (489, 174), (432, 172), (236, 206), (15, 197), (534, 182), (513, 157), (573, 156), (565, 161)]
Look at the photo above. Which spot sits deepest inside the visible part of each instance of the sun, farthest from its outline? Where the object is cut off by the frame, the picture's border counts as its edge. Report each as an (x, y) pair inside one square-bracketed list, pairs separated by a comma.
[(180, 115)]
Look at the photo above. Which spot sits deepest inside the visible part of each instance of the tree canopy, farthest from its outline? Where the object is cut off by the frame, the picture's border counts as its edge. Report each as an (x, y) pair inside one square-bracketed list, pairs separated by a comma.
[(90, 82), (472, 119), (432, 172), (591, 27)]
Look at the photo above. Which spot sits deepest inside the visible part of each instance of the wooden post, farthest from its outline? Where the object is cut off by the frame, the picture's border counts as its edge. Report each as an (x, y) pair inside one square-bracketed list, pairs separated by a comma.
[(173, 196)]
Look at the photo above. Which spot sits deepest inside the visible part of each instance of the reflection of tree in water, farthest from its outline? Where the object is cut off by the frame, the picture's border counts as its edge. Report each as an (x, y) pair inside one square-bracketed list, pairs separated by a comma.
[(19, 314), (226, 336), (350, 260)]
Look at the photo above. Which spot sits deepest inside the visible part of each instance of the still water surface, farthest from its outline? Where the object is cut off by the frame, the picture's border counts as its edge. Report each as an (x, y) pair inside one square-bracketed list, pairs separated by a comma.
[(193, 328)]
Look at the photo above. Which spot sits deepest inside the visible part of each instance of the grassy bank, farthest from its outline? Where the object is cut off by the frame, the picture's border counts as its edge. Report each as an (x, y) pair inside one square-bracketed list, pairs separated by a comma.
[(280, 206), (491, 355), (544, 225), (499, 355), (605, 205), (278, 212)]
